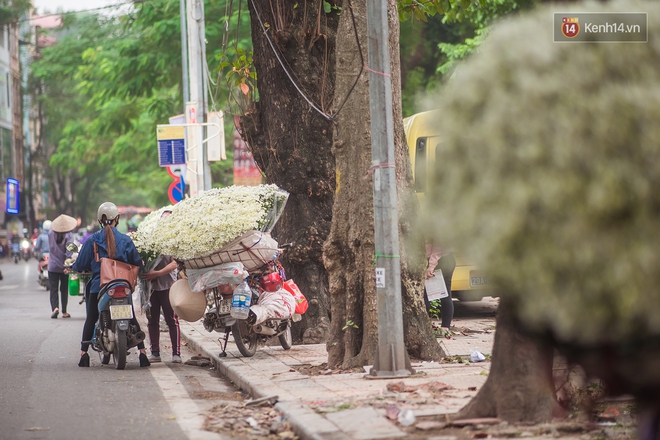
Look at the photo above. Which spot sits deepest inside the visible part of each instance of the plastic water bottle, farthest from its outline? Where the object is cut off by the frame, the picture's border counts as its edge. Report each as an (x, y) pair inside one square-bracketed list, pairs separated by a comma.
[(240, 301)]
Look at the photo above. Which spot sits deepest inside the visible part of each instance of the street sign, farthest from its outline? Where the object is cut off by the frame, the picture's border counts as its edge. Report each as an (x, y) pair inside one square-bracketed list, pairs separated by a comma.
[(176, 170), (216, 136), (171, 145), (13, 196), (176, 190)]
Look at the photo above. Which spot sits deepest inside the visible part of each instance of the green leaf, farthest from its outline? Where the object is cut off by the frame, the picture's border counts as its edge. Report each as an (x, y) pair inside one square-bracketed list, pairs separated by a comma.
[(327, 7)]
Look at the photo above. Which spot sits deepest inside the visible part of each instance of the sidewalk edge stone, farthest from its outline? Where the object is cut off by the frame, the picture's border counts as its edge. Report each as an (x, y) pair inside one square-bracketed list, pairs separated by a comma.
[(308, 424)]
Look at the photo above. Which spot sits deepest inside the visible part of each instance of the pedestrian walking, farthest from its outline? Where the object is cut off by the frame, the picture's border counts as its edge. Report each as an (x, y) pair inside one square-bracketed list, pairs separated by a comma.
[(162, 277), (58, 237)]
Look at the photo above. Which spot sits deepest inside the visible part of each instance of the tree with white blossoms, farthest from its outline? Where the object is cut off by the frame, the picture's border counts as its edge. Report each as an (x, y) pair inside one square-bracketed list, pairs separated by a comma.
[(201, 225)]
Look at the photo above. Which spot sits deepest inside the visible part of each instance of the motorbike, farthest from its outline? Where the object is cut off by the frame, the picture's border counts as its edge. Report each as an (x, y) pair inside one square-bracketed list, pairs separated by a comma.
[(114, 334), (43, 270), (26, 249), (247, 336), (15, 252)]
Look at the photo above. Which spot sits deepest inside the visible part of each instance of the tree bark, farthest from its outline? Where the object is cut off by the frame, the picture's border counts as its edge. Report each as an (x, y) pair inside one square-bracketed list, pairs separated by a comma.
[(291, 141), (349, 251), (520, 386)]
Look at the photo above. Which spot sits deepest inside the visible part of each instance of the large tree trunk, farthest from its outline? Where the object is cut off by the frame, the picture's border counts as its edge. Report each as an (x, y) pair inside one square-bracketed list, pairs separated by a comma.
[(291, 141), (349, 251), (520, 386)]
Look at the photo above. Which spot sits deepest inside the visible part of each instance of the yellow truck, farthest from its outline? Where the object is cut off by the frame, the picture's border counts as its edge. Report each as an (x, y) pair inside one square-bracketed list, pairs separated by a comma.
[(468, 283)]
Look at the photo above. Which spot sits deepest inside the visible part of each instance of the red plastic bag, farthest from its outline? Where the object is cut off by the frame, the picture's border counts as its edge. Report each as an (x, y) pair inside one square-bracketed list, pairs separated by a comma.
[(301, 301)]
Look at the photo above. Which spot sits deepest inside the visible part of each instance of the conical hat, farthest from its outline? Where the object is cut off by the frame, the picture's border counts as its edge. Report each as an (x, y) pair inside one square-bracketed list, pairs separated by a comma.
[(64, 223), (188, 305)]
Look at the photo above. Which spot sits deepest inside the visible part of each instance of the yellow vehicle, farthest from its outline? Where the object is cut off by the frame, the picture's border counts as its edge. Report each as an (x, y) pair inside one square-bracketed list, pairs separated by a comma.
[(468, 283)]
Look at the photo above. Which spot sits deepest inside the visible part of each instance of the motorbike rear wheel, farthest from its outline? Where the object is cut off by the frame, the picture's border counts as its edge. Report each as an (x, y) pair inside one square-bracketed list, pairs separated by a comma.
[(286, 341), (120, 350), (244, 337)]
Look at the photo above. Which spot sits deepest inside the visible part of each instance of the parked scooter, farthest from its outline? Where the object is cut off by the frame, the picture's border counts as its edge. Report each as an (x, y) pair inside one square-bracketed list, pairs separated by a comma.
[(114, 334), (247, 334), (43, 270)]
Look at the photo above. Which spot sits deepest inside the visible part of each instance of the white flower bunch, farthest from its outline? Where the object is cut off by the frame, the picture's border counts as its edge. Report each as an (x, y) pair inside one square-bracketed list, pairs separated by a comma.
[(143, 237), (201, 225)]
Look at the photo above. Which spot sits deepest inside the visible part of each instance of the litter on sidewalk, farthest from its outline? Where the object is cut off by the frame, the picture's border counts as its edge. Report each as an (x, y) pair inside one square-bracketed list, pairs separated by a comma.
[(324, 403)]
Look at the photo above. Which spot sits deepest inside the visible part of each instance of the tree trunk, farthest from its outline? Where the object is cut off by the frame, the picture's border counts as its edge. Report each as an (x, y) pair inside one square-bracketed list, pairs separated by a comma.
[(520, 386), (349, 251), (291, 141)]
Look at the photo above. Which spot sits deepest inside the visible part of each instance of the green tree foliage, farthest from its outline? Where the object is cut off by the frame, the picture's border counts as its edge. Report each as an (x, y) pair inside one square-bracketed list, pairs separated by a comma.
[(12, 10), (109, 80), (437, 33), (552, 188)]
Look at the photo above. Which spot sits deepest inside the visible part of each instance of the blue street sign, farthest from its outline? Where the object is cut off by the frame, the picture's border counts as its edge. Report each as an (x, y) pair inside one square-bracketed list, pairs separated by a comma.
[(171, 152), (13, 196), (176, 190)]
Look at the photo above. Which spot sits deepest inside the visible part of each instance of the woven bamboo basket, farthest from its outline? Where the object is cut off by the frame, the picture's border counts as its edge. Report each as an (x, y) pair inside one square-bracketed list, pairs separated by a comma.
[(254, 249)]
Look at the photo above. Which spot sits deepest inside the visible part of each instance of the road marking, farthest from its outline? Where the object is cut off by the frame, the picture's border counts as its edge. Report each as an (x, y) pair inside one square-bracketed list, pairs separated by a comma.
[(187, 413), (10, 287)]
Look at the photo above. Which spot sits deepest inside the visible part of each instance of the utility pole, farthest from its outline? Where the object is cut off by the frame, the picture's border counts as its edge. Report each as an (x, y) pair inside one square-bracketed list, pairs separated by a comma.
[(196, 110), (391, 356), (184, 54)]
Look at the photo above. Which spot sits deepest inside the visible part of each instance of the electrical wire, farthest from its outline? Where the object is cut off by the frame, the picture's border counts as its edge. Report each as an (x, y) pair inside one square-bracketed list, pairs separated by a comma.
[(100, 8), (333, 115)]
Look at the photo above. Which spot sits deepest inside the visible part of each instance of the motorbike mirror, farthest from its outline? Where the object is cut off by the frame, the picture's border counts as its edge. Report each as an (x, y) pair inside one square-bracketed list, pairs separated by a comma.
[(71, 247)]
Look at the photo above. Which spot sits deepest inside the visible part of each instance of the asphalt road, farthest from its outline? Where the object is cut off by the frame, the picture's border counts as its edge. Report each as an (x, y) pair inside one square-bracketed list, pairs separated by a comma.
[(45, 395)]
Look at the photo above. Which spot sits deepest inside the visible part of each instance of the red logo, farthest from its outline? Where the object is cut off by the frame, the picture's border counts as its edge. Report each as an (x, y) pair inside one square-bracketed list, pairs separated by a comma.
[(570, 27)]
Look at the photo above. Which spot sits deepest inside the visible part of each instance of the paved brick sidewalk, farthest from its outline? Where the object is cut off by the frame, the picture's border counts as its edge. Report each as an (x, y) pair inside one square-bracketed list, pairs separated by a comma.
[(347, 405)]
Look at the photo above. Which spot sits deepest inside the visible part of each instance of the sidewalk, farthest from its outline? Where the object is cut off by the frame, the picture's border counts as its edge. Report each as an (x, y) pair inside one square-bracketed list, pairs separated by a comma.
[(333, 405)]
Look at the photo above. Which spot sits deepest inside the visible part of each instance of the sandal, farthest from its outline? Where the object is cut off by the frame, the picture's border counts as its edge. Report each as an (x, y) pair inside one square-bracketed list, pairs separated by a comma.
[(446, 333), (144, 360), (84, 360), (66, 315), (56, 312)]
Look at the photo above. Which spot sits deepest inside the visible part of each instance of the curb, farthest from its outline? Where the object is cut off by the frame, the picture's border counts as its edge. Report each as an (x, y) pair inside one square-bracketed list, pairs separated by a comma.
[(306, 423)]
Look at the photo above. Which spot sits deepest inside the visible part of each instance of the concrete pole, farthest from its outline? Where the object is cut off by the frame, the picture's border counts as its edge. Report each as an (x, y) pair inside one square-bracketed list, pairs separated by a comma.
[(196, 61), (391, 356), (184, 54)]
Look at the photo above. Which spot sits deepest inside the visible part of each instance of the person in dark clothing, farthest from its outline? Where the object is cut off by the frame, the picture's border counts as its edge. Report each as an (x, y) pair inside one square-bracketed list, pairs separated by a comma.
[(58, 237), (111, 244), (162, 277)]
